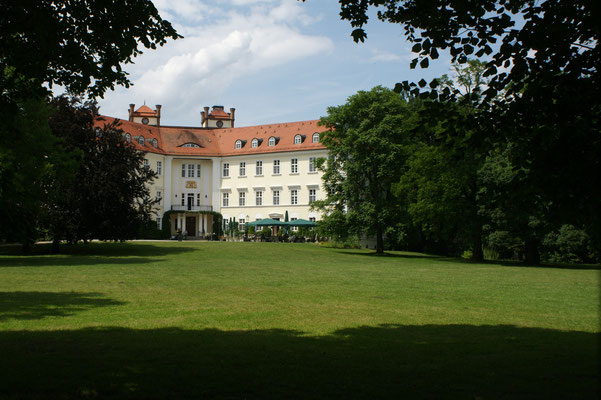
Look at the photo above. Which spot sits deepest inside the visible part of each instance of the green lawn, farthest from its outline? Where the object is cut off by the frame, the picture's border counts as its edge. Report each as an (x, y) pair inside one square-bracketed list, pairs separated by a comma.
[(272, 320)]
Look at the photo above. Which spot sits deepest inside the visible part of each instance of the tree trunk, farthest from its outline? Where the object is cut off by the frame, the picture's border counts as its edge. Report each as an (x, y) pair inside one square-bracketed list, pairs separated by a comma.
[(379, 240), (477, 252), (55, 248), (531, 251)]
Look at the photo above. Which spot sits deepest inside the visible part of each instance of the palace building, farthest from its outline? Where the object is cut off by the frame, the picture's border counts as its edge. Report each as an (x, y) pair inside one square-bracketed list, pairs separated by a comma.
[(247, 173)]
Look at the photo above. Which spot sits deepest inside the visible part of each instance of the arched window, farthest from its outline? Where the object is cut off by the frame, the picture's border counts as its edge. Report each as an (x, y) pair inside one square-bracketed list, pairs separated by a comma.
[(271, 142), (190, 145), (128, 138), (298, 139), (155, 143), (98, 132), (316, 137), (238, 144), (254, 143), (141, 140)]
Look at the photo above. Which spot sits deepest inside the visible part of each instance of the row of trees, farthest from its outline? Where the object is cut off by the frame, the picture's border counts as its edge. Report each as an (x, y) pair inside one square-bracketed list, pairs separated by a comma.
[(402, 169), (517, 160), (55, 172)]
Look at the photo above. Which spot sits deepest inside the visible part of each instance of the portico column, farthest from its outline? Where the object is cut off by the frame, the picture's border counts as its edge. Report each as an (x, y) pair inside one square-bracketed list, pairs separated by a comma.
[(184, 223)]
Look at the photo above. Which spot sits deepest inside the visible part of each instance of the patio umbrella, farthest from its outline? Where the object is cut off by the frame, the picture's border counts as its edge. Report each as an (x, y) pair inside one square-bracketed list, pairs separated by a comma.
[(267, 222), (301, 222)]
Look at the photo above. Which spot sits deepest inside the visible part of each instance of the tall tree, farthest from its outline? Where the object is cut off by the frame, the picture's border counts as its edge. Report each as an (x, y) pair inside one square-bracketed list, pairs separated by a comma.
[(107, 197), (441, 183), (80, 45), (366, 145)]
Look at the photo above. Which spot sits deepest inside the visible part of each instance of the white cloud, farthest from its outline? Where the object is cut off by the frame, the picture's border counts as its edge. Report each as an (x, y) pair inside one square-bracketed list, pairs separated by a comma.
[(192, 72)]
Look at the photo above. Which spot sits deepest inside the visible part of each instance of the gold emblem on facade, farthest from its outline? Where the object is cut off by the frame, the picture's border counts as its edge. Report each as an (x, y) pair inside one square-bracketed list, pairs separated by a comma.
[(190, 185)]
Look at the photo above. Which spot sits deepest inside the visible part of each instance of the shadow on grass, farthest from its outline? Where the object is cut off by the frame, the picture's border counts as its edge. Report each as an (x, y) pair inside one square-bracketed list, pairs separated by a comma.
[(521, 264), (90, 254), (38, 305), (505, 263), (432, 361), (389, 255)]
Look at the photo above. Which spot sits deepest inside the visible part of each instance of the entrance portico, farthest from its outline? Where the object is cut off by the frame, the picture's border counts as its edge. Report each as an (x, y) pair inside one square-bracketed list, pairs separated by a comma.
[(196, 224)]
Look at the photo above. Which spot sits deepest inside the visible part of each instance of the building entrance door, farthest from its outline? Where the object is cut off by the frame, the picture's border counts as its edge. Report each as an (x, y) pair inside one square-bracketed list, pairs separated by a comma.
[(191, 226), (190, 201)]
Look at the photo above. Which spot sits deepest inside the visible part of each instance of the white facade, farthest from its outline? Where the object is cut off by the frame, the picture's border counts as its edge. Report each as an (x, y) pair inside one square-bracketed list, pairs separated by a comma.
[(247, 173)]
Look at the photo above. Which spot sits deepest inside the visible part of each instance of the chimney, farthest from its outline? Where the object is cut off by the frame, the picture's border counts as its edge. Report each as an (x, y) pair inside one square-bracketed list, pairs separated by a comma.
[(232, 112), (206, 115), (131, 112), (158, 112), (202, 118)]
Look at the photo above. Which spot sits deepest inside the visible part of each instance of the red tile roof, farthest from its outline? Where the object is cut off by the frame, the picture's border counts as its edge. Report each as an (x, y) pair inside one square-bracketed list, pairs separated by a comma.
[(220, 142), (145, 110), (219, 114)]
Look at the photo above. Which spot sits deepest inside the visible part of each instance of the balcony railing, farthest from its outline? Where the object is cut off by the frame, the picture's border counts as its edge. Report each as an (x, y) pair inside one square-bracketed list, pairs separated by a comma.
[(191, 208)]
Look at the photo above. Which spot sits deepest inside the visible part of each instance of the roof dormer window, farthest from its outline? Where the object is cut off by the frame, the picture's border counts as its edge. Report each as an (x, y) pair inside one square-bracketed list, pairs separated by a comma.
[(298, 139), (155, 143), (190, 145), (316, 137), (254, 143), (238, 144), (271, 142), (141, 140), (128, 138)]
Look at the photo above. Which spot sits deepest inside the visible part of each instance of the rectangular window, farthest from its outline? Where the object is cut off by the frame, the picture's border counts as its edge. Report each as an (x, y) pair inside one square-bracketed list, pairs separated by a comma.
[(294, 196), (183, 170), (294, 166), (146, 164), (312, 164), (294, 228), (159, 197), (190, 170), (259, 169), (159, 223), (259, 198), (242, 199), (226, 199), (242, 168), (276, 197), (183, 199), (198, 170), (312, 195), (276, 167), (198, 199), (159, 168), (241, 223), (226, 169)]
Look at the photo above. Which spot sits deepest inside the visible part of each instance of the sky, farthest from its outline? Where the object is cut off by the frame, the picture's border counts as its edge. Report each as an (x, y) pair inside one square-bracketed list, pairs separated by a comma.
[(272, 60)]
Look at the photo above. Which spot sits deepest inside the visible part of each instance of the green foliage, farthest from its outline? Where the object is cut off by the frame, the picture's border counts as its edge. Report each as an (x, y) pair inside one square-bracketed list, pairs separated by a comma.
[(366, 147), (107, 198), (567, 245), (26, 163), (540, 106), (79, 45)]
